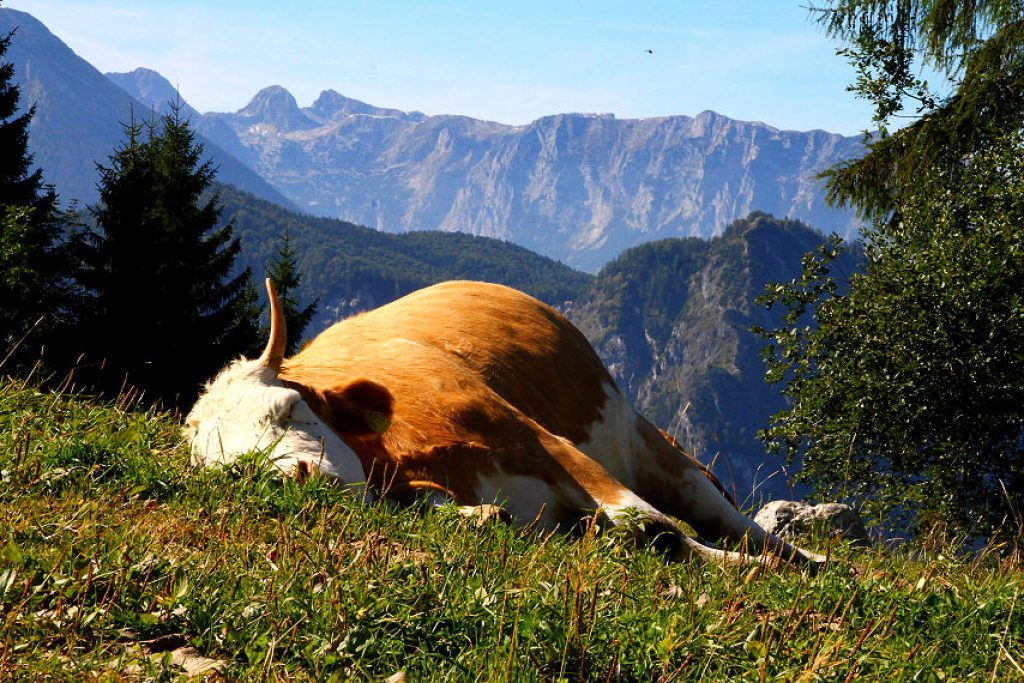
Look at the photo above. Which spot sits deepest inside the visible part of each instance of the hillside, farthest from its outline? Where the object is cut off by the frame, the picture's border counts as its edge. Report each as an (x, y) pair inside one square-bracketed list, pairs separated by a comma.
[(119, 561), (351, 268), (80, 114), (671, 320)]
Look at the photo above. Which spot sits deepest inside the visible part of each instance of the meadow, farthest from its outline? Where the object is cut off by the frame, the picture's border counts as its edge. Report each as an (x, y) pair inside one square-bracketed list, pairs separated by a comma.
[(120, 561)]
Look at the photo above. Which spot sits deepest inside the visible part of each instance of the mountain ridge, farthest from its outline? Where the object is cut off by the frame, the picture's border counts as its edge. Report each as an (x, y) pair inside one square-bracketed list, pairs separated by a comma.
[(400, 171), (576, 187), (351, 268), (671, 319), (80, 114)]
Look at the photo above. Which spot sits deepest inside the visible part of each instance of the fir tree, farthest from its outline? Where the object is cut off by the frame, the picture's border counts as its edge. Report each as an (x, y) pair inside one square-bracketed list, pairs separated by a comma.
[(33, 260), (286, 278), (166, 312)]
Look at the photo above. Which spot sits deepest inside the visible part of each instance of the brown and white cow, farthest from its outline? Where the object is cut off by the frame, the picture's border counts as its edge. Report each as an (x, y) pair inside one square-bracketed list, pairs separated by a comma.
[(475, 394)]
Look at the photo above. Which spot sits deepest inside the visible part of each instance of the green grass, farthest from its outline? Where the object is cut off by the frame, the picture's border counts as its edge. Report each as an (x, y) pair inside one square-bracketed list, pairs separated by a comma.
[(114, 552)]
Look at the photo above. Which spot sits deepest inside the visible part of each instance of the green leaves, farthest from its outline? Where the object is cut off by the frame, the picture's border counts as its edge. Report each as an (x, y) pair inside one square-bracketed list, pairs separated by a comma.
[(977, 46), (909, 393)]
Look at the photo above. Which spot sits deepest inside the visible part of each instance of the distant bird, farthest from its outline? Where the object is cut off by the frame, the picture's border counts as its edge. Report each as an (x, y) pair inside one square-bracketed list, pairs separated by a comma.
[(650, 52)]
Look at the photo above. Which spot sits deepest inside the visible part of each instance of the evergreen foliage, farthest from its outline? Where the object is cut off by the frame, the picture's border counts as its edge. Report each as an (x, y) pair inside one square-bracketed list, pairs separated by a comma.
[(348, 268), (34, 267), (165, 311), (978, 47), (285, 275), (908, 395)]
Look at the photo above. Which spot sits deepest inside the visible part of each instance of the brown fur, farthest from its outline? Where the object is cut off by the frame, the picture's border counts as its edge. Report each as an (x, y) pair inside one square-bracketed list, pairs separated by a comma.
[(478, 375), (461, 382)]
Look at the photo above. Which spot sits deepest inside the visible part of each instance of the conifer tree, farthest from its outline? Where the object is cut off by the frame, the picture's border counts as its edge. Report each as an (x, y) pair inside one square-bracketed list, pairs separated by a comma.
[(33, 260), (976, 47), (285, 275), (166, 311)]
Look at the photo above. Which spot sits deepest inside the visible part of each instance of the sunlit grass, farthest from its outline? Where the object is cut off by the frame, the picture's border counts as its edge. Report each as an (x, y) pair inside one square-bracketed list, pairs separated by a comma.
[(118, 560)]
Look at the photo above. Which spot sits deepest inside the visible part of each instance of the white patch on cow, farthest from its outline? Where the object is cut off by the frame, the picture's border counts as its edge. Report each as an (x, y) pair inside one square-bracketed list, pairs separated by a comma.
[(526, 499), (614, 439), (626, 507), (247, 408)]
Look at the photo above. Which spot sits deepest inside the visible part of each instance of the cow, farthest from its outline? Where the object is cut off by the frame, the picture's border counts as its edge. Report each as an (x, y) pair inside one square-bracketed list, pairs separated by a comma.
[(479, 395)]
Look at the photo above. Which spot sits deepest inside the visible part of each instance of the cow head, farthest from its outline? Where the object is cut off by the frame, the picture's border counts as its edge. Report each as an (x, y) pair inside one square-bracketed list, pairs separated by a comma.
[(247, 407)]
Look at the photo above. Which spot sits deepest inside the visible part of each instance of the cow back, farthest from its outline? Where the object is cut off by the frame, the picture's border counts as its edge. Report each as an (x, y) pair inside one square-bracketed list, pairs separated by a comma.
[(522, 349)]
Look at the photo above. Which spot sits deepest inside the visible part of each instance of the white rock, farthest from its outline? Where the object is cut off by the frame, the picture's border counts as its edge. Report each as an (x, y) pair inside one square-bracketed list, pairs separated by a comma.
[(788, 518)]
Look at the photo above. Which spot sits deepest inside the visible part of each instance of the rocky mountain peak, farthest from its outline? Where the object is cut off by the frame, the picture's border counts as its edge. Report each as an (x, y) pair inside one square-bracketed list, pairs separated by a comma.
[(331, 105), (708, 123), (147, 81), (151, 88), (275, 106)]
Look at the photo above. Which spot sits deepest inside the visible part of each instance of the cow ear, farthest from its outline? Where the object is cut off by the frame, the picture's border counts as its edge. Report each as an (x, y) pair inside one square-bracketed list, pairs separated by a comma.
[(362, 407)]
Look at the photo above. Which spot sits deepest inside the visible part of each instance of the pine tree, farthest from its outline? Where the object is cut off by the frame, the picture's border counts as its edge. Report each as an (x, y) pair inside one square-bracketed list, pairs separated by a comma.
[(286, 278), (33, 260), (166, 312)]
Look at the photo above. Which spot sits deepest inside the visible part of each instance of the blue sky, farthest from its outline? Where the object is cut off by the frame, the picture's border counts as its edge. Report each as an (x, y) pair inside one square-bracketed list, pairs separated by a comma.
[(507, 61)]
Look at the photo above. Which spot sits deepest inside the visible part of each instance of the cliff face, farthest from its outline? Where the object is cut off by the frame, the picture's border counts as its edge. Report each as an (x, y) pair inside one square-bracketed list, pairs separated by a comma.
[(579, 188), (672, 320)]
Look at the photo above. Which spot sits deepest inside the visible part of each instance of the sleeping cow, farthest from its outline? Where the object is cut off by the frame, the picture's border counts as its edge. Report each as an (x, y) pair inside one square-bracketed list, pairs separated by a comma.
[(475, 394)]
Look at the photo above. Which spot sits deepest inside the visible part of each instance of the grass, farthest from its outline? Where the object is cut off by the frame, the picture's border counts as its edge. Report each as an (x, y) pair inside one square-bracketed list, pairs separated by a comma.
[(118, 561)]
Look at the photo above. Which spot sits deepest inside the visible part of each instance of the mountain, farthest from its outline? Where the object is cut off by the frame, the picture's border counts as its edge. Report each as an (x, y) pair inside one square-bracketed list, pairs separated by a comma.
[(80, 114), (671, 319), (579, 188), (157, 94), (350, 268)]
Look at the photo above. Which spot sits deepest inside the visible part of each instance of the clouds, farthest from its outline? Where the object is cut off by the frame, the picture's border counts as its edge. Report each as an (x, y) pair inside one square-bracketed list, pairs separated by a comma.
[(509, 62)]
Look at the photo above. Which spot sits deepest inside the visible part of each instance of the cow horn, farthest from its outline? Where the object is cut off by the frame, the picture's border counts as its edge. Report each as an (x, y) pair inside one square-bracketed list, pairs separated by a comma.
[(273, 355)]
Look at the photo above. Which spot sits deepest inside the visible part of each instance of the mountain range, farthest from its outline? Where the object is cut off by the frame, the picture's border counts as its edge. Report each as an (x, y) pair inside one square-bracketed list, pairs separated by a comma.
[(576, 187), (350, 268), (580, 188), (670, 316)]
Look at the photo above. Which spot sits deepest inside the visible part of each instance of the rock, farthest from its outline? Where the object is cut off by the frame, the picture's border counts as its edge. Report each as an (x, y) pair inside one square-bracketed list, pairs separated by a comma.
[(788, 518)]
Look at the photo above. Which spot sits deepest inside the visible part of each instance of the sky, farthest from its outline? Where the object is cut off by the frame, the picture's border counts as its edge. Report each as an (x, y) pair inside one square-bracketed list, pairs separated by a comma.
[(512, 61)]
